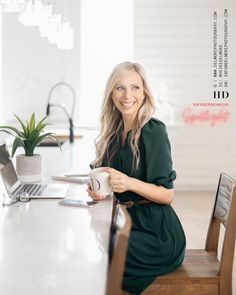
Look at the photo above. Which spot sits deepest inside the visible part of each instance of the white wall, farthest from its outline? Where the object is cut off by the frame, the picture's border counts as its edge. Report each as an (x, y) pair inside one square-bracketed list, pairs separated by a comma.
[(103, 38), (107, 39), (173, 40), (31, 65)]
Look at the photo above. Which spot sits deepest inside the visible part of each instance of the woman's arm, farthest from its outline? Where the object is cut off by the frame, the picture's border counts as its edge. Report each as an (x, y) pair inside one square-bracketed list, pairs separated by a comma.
[(120, 183), (152, 192)]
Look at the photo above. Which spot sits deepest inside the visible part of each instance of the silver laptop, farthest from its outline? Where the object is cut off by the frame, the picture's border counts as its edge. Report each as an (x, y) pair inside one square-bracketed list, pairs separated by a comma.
[(34, 190)]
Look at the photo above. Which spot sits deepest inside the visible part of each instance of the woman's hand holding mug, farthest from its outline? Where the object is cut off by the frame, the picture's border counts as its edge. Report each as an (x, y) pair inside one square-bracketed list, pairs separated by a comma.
[(104, 180), (99, 184)]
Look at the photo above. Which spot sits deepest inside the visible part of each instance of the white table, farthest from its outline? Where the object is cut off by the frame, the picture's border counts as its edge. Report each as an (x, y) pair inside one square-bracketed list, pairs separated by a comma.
[(47, 249)]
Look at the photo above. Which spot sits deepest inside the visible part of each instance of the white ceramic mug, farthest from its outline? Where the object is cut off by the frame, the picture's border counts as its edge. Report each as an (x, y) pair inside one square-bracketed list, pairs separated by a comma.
[(99, 181)]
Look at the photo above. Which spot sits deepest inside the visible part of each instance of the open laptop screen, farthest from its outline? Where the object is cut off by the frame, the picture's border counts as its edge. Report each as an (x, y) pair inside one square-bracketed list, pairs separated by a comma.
[(7, 169), (4, 155)]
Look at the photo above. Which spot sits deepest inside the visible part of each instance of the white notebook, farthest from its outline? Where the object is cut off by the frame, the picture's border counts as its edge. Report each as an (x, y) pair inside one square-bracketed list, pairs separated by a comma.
[(72, 177)]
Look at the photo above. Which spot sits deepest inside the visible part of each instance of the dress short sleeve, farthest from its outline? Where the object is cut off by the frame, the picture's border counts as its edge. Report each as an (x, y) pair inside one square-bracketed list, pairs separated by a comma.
[(158, 162)]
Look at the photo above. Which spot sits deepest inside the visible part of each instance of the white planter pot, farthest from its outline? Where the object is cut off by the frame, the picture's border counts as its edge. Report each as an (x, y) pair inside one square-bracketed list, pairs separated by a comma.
[(28, 168)]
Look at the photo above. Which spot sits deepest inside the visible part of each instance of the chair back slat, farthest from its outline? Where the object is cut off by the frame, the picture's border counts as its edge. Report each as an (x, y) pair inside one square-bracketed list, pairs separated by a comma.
[(227, 253), (224, 197), (224, 213), (220, 214)]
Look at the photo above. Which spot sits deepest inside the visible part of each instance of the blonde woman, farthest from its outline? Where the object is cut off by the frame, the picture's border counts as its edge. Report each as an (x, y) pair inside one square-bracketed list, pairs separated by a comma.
[(136, 149)]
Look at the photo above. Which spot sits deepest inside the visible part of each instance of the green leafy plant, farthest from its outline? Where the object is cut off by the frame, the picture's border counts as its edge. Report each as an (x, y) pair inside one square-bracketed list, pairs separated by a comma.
[(30, 136)]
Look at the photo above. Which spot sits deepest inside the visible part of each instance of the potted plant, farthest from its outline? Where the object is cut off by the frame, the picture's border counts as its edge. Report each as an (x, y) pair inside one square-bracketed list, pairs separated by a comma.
[(28, 165)]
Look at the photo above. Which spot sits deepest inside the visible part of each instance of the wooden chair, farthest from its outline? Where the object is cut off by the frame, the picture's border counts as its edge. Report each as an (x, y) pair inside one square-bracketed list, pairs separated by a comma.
[(120, 231), (201, 272)]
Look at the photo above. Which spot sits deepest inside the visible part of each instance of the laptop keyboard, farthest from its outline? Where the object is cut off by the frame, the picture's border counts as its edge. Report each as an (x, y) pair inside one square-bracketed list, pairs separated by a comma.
[(31, 189)]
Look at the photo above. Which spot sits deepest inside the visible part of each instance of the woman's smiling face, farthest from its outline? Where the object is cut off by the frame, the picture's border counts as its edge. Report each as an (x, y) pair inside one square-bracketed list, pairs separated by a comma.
[(128, 94)]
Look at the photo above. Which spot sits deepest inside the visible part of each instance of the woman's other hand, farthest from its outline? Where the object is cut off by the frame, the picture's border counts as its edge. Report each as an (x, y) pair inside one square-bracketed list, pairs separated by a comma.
[(119, 181), (93, 195)]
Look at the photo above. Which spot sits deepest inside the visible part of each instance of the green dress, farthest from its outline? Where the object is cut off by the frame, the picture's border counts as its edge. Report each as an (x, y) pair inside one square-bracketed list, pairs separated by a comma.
[(157, 240)]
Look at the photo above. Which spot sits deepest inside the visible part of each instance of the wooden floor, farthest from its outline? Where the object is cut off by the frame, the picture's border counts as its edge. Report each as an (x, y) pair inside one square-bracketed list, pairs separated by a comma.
[(194, 211)]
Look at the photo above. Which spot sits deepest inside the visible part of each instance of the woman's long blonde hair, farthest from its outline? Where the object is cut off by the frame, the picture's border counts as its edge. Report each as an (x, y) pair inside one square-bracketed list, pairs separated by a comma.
[(111, 120)]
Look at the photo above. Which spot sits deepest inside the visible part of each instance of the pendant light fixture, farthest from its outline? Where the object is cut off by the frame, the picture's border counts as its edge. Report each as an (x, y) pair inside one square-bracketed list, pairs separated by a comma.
[(36, 13)]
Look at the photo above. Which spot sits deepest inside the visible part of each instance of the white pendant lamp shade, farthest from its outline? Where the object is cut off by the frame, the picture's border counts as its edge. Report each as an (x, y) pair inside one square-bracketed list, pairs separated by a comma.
[(36, 13)]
